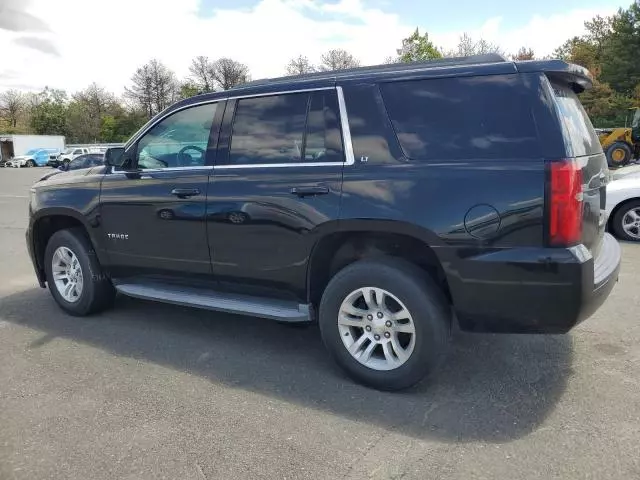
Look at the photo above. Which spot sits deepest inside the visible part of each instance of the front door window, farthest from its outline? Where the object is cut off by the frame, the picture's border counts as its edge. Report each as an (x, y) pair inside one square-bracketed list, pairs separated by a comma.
[(179, 140)]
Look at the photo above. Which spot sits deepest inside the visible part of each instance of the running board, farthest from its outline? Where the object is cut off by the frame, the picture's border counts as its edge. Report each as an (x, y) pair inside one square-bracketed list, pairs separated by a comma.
[(273, 309)]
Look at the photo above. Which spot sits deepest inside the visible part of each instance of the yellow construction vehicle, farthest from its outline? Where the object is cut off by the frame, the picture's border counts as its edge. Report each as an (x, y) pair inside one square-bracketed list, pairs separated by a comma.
[(622, 144)]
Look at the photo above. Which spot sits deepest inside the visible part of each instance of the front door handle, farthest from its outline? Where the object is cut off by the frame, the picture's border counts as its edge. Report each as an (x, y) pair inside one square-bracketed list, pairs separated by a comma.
[(309, 191), (185, 192)]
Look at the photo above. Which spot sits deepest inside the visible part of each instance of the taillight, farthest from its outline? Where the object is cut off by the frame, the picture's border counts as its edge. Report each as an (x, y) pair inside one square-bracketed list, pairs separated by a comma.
[(565, 203)]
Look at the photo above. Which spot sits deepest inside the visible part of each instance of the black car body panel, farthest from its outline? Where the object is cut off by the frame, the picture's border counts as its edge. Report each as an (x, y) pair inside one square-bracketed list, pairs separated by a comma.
[(473, 192)]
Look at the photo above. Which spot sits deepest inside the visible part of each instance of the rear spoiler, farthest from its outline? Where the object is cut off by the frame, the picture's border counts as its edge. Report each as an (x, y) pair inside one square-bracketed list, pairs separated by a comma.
[(577, 77)]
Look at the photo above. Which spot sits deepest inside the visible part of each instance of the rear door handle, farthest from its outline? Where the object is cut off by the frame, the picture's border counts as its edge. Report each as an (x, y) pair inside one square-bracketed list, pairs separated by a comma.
[(185, 192), (309, 191)]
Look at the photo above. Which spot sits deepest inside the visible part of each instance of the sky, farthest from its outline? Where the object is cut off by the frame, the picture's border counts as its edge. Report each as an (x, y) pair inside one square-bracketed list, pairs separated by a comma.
[(70, 43)]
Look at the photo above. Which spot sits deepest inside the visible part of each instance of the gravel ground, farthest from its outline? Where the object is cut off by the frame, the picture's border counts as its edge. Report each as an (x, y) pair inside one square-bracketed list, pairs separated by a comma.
[(154, 391)]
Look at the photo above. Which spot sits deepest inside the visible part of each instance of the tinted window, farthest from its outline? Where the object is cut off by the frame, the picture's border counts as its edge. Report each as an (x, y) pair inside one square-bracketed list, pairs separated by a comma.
[(462, 118), (78, 162), (269, 129), (323, 140), (95, 160), (179, 140), (578, 130)]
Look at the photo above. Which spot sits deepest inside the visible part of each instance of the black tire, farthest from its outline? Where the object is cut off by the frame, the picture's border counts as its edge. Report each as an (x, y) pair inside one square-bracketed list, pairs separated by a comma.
[(97, 291), (66, 162), (619, 146), (424, 300), (31, 163), (618, 217)]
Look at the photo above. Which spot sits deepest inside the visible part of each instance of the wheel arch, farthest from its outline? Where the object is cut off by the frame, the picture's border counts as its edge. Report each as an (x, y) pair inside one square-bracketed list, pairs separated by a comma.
[(50, 220), (359, 239)]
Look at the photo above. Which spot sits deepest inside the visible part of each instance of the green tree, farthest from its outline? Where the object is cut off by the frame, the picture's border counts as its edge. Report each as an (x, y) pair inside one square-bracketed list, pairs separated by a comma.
[(621, 51), (119, 125), (189, 89), (580, 51), (48, 112), (417, 48), (605, 106)]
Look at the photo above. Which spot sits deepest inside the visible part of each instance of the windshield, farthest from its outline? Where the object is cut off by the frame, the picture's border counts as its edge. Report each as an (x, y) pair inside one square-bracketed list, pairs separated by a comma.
[(68, 151), (635, 123), (33, 151)]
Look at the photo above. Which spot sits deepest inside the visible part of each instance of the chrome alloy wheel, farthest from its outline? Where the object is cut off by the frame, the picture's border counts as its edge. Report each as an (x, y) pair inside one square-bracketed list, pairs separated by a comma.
[(67, 274), (631, 223), (376, 328)]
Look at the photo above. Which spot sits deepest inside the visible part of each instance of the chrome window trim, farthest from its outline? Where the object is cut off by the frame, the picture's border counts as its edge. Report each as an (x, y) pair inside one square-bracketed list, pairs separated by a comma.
[(346, 129), (279, 165), (346, 137), (344, 122), (142, 171), (285, 92), (132, 141)]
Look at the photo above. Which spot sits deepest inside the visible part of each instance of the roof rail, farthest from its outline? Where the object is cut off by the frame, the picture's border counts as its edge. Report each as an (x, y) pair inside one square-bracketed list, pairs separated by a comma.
[(391, 67)]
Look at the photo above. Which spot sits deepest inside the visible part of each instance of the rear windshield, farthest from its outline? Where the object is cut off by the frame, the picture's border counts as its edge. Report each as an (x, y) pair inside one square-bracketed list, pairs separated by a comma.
[(462, 118), (580, 137)]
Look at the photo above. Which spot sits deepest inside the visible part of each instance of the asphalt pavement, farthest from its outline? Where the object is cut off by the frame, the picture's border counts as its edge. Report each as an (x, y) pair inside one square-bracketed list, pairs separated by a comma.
[(151, 391)]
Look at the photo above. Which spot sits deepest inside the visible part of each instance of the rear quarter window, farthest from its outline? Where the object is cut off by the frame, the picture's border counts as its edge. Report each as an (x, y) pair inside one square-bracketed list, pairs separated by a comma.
[(462, 118), (580, 137)]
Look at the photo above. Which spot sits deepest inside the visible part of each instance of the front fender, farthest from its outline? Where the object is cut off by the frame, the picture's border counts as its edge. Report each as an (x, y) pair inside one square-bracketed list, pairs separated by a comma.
[(75, 197)]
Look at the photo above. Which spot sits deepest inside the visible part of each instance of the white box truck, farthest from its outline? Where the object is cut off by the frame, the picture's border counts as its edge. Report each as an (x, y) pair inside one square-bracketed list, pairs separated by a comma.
[(30, 150)]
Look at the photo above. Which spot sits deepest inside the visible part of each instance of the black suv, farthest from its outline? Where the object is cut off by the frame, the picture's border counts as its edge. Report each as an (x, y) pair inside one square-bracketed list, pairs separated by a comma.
[(381, 202)]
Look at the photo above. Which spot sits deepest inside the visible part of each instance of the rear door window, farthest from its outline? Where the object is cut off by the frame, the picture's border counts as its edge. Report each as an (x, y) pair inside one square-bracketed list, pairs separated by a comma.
[(286, 129), (462, 118), (580, 137)]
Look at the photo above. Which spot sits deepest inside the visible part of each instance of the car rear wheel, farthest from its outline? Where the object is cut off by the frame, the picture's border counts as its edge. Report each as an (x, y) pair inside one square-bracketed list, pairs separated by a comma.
[(74, 276), (618, 154), (31, 163), (626, 221), (385, 322)]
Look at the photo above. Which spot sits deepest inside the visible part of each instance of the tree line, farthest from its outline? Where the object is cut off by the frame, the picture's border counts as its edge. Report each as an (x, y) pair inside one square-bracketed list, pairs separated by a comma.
[(610, 50)]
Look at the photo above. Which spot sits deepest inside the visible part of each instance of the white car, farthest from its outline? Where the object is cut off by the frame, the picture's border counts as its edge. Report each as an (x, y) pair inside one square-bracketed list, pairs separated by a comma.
[(71, 153), (623, 204)]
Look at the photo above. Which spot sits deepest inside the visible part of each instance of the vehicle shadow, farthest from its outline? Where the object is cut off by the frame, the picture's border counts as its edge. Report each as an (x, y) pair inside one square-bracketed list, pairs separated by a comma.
[(493, 388)]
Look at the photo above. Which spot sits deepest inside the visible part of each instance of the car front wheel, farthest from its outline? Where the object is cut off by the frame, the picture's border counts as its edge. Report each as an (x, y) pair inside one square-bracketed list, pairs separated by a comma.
[(385, 322), (74, 276)]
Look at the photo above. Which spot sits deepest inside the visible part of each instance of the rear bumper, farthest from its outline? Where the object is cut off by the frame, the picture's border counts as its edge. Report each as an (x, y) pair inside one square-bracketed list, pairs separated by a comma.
[(533, 290)]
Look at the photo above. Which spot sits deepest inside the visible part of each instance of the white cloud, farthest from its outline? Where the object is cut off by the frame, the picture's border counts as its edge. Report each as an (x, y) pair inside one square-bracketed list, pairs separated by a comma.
[(106, 41)]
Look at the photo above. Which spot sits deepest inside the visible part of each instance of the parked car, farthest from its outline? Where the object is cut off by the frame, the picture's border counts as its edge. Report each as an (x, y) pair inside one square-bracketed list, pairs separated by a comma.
[(37, 157), (384, 203), (66, 156), (623, 206), (83, 161)]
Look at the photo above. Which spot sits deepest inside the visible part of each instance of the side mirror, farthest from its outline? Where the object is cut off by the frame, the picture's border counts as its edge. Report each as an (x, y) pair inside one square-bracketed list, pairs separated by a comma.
[(114, 156)]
